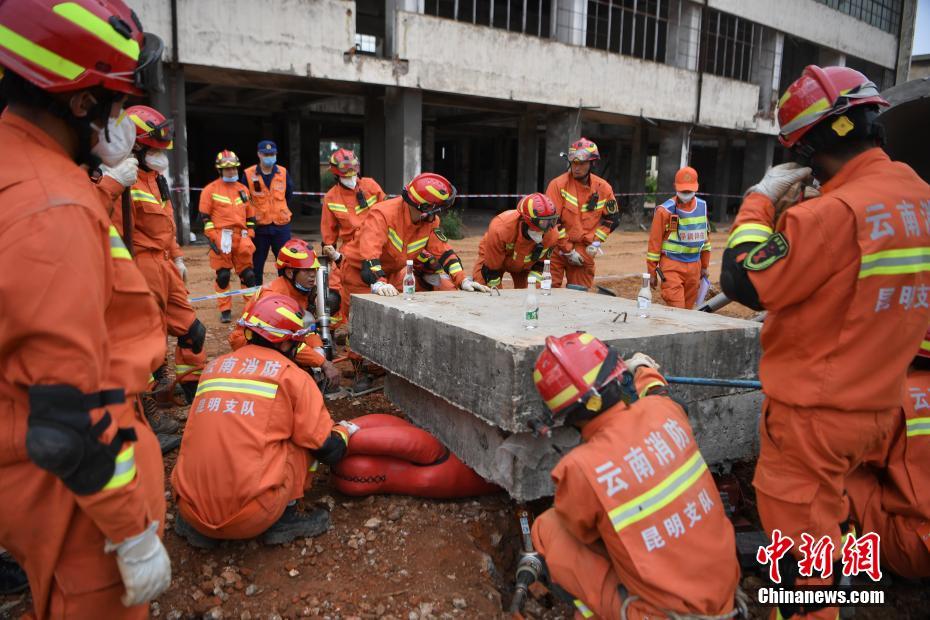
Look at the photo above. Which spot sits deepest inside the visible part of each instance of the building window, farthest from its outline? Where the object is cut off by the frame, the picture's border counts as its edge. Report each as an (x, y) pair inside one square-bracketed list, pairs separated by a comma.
[(525, 16), (631, 27), (727, 44), (366, 44), (883, 14)]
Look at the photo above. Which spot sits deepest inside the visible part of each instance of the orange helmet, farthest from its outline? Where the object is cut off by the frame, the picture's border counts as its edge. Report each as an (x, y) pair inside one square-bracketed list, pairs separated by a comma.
[(275, 318), (226, 159), (68, 46), (924, 350), (573, 370), (583, 150), (538, 211), (344, 163), (296, 254), (152, 128), (821, 93), (686, 180), (429, 193)]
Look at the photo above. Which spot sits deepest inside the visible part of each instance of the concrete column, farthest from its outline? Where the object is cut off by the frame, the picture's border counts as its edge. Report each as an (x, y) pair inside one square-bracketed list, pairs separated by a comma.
[(403, 115), (763, 69), (562, 128), (294, 166), (830, 58), (684, 34), (673, 154), (905, 41), (391, 7), (718, 204), (571, 21), (429, 148), (527, 154), (759, 153), (635, 178), (173, 104), (373, 139), (311, 142)]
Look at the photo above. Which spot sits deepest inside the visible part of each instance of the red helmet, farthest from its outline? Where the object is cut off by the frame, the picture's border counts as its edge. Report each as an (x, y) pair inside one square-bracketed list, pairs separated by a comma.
[(818, 94), (344, 163), (275, 318), (296, 254), (924, 350), (68, 46), (583, 150), (538, 211), (152, 128), (572, 369), (226, 159), (430, 193)]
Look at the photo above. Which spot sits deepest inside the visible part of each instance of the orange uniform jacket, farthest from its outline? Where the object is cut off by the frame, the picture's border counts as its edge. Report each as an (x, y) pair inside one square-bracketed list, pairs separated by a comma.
[(342, 211), (153, 217), (580, 222), (906, 487), (307, 355), (639, 485), (253, 408), (227, 205), (389, 236), (58, 244), (504, 247), (850, 301), (270, 203)]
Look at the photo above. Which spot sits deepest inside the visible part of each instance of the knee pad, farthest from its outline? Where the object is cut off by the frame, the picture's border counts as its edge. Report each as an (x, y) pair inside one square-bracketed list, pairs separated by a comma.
[(222, 277), (194, 338), (247, 276)]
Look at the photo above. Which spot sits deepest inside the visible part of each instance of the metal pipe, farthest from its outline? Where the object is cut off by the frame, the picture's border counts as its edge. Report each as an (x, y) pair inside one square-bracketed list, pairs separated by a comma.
[(322, 309), (738, 383), (715, 303)]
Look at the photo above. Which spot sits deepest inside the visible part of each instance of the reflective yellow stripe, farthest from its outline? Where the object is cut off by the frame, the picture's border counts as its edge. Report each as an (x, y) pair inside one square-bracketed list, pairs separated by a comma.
[(38, 55), (125, 470), (208, 225), (568, 197), (562, 233), (238, 201), (670, 246), (649, 386), (562, 397), (494, 283), (314, 466), (221, 198), (749, 233), (591, 375), (264, 389), (583, 609), (600, 234), (893, 262), (361, 209), (925, 345), (117, 247), (660, 495), (336, 207), (372, 200), (142, 196), (395, 240), (80, 16), (918, 426), (688, 221), (454, 268), (417, 245), (652, 256), (706, 247)]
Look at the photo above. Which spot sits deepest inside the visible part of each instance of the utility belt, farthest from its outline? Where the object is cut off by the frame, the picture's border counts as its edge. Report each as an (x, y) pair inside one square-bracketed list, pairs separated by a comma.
[(740, 607), (165, 253)]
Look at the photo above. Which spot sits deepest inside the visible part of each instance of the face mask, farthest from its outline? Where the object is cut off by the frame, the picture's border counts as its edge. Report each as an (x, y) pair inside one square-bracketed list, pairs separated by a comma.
[(535, 235), (157, 161), (230, 179), (685, 196), (122, 138), (349, 182), (269, 161)]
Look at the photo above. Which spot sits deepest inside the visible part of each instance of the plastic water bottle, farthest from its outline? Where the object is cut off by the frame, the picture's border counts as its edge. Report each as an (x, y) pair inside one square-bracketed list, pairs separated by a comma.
[(531, 305), (546, 284), (410, 282), (644, 297)]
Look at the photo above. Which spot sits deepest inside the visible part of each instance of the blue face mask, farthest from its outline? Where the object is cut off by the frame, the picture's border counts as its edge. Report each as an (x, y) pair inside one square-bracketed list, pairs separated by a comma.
[(269, 161), (230, 179)]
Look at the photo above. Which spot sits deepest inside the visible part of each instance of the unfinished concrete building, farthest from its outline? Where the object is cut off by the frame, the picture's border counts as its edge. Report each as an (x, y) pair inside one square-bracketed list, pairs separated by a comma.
[(489, 92)]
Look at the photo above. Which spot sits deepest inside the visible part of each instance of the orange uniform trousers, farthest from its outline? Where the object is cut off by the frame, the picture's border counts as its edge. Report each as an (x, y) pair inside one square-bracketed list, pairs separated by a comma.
[(238, 261), (805, 455), (350, 278), (263, 511), (563, 270), (682, 282), (905, 540), (177, 314)]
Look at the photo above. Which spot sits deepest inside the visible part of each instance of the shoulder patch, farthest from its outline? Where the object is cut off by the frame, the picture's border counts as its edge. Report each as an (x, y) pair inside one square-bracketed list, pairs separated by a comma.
[(440, 235), (767, 253), (611, 206)]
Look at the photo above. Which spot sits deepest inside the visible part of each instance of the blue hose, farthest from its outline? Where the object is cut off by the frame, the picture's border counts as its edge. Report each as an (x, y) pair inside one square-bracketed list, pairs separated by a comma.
[(739, 383)]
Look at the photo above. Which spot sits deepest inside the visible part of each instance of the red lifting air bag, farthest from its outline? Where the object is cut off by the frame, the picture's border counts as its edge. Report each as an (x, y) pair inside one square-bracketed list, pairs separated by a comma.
[(390, 455)]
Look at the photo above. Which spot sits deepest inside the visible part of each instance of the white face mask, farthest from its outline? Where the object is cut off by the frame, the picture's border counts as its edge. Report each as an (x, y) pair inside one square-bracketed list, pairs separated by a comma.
[(349, 182), (122, 138), (535, 235), (157, 161), (685, 196)]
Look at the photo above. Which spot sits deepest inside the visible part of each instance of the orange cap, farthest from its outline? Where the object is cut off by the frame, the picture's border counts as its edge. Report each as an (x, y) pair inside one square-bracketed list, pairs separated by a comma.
[(686, 180)]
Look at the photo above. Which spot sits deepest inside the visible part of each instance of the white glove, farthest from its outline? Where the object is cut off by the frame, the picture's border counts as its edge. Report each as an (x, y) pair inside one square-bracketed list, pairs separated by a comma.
[(182, 268), (640, 359), (332, 253), (594, 250), (143, 565), (473, 287), (226, 241), (384, 289), (779, 179), (125, 173), (349, 426), (574, 258)]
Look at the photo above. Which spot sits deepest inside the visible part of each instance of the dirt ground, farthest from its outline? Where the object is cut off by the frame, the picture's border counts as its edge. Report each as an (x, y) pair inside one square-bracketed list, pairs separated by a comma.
[(396, 557)]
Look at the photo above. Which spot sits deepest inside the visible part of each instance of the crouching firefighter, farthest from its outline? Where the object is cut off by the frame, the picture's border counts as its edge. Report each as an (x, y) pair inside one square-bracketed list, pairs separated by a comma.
[(636, 515)]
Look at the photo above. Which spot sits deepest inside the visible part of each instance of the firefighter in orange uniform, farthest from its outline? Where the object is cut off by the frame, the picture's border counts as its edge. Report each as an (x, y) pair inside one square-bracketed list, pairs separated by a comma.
[(271, 189), (679, 244), (347, 202), (845, 279), (893, 498), (83, 481), (255, 428), (297, 265), (588, 213), (518, 241), (229, 224), (398, 229), (637, 514)]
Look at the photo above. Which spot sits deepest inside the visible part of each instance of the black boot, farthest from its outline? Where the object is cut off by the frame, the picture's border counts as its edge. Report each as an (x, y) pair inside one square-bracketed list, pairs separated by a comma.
[(194, 538), (190, 390), (160, 421), (12, 577), (225, 316), (294, 524)]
